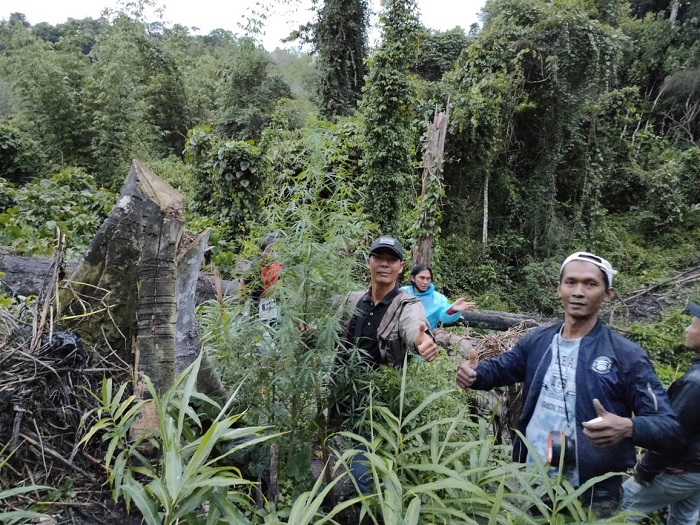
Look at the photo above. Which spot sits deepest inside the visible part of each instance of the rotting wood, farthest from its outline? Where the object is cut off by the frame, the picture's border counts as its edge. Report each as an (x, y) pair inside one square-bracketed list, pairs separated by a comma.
[(432, 179)]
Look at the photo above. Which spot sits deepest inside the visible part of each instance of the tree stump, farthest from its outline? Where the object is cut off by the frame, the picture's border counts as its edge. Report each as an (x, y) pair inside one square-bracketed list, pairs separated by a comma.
[(134, 289)]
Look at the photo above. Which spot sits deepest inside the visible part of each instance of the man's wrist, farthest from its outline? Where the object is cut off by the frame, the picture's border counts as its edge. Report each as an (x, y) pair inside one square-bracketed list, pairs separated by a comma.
[(451, 311)]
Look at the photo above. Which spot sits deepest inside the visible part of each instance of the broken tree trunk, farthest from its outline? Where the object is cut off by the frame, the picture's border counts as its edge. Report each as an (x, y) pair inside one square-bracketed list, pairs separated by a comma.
[(432, 186), (128, 289)]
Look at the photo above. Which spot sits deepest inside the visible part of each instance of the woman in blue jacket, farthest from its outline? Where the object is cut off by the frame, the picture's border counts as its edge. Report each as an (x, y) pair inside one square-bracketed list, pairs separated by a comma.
[(437, 308)]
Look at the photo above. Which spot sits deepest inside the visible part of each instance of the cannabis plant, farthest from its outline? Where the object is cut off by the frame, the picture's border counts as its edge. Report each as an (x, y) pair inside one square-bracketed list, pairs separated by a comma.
[(289, 360)]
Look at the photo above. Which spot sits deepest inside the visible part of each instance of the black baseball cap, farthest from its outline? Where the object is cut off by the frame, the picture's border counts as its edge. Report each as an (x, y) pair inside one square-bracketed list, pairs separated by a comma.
[(389, 243), (694, 309)]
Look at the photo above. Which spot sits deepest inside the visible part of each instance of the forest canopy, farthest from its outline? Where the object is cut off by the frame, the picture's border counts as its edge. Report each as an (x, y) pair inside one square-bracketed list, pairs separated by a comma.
[(572, 125)]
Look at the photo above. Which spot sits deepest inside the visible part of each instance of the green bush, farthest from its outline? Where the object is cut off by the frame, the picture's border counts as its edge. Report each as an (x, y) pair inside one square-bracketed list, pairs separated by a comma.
[(69, 200), (190, 466)]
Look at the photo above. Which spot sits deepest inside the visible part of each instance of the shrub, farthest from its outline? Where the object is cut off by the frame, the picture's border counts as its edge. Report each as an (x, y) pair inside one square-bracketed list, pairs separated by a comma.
[(69, 200)]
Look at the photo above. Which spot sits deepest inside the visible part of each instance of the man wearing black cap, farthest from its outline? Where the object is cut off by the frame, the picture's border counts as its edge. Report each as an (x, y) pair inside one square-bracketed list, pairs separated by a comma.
[(388, 322), (673, 479)]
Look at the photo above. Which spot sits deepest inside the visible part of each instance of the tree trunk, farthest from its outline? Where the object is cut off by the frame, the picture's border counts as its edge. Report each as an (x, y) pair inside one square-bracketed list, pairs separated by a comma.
[(485, 225), (133, 291), (501, 321), (675, 6), (431, 189)]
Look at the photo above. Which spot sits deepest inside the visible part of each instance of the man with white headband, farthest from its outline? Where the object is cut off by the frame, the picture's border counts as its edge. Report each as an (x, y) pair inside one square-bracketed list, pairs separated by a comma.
[(590, 395)]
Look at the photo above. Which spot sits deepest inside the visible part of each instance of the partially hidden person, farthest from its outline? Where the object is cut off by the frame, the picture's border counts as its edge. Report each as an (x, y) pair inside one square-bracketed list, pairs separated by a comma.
[(672, 479), (438, 308), (386, 326)]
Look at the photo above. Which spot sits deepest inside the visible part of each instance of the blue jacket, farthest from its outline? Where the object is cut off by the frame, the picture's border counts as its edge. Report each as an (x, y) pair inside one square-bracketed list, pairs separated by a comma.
[(435, 304), (610, 368)]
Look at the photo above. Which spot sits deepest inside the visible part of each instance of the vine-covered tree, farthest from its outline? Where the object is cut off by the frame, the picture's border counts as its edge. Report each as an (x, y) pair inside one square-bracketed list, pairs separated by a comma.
[(531, 93), (249, 88), (388, 107), (340, 41)]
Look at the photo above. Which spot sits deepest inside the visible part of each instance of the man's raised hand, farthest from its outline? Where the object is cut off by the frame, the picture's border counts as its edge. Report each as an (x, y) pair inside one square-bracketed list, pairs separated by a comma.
[(425, 344), (466, 373)]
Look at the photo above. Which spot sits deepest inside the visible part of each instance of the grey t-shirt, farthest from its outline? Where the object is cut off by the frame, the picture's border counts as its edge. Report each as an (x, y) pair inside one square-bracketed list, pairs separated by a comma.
[(556, 405)]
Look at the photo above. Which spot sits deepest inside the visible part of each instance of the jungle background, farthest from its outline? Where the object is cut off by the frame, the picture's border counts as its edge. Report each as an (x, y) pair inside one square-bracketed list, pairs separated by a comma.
[(573, 125)]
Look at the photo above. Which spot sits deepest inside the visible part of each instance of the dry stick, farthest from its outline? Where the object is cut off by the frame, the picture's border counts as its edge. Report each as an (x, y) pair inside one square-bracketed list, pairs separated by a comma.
[(95, 461), (681, 278), (673, 280), (49, 293), (59, 457)]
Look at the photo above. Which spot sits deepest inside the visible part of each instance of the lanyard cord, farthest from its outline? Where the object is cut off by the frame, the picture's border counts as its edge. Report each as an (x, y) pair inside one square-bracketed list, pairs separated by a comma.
[(563, 381)]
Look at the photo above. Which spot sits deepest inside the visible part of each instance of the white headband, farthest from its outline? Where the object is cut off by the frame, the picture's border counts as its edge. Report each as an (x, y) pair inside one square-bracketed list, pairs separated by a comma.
[(593, 259)]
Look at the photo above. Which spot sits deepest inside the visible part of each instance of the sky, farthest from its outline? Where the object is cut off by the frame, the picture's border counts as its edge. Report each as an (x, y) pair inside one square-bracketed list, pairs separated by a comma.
[(228, 14)]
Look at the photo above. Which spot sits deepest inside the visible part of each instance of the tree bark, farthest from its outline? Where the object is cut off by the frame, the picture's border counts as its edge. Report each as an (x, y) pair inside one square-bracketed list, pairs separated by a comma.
[(502, 321), (161, 231), (134, 290), (675, 6), (485, 224), (431, 183)]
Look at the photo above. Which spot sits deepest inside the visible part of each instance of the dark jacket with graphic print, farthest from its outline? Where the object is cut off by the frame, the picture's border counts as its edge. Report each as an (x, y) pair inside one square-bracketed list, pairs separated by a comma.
[(610, 368)]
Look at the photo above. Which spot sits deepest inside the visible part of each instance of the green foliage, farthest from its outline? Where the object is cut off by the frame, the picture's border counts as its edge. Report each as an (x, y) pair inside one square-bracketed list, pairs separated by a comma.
[(315, 218), (469, 267), (537, 291), (340, 41), (69, 200), (663, 341), (188, 466), (521, 89), (175, 172), (20, 159), (248, 91), (230, 178), (439, 51), (430, 464), (387, 105)]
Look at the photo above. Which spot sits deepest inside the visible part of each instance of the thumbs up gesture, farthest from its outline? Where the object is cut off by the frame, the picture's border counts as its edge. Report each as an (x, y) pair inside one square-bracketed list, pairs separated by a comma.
[(607, 429), (425, 344), (466, 373)]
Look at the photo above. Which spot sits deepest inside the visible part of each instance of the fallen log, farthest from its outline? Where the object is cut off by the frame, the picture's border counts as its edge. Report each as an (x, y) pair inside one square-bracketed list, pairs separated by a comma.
[(26, 276), (502, 321)]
